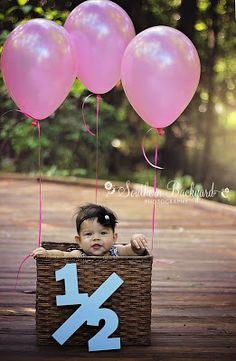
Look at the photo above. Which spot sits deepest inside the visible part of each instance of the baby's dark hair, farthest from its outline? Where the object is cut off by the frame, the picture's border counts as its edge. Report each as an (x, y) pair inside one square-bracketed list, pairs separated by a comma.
[(104, 215)]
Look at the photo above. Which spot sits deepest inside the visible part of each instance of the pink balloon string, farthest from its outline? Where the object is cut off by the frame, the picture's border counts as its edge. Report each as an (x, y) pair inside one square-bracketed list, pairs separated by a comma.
[(154, 197), (161, 132), (35, 123), (19, 269), (98, 100), (155, 166)]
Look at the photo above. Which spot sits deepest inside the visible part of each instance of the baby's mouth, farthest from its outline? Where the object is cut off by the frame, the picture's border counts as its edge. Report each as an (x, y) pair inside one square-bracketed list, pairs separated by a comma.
[(96, 246)]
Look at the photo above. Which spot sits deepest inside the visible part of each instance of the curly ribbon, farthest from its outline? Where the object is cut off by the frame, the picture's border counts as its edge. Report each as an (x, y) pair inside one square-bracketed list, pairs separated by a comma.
[(35, 123), (83, 116), (98, 99), (160, 132)]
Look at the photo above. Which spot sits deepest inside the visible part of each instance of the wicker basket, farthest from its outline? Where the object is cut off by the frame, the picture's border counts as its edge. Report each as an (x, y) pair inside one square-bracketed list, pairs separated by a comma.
[(131, 302)]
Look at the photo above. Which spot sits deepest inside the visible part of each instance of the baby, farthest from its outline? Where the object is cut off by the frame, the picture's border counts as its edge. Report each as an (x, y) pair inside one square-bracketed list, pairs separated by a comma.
[(96, 236)]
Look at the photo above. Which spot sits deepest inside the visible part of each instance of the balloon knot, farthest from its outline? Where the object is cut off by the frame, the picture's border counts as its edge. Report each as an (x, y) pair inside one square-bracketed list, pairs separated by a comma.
[(34, 123), (160, 131), (99, 97)]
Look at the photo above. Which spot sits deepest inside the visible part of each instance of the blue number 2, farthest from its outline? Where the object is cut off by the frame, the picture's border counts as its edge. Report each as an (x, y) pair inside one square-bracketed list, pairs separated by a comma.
[(89, 311), (101, 338)]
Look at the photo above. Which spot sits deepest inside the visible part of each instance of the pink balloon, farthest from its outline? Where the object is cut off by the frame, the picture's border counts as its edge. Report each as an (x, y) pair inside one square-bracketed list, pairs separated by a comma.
[(38, 66), (101, 31), (160, 74)]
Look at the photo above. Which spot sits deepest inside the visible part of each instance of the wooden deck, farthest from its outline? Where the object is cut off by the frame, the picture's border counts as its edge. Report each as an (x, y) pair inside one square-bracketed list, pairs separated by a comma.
[(194, 299)]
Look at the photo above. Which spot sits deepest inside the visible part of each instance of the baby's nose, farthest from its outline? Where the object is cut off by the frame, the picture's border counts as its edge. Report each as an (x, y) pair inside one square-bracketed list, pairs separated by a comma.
[(96, 236)]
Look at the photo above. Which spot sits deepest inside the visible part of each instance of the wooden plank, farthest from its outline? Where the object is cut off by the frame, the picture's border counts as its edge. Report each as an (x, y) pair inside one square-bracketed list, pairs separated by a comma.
[(194, 304)]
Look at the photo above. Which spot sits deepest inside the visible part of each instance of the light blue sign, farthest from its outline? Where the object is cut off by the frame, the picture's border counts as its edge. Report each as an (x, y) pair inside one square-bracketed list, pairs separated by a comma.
[(89, 311)]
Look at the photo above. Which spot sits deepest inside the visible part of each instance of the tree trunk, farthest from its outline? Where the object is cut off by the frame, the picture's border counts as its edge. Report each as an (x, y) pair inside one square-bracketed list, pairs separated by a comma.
[(188, 11), (174, 152), (209, 118)]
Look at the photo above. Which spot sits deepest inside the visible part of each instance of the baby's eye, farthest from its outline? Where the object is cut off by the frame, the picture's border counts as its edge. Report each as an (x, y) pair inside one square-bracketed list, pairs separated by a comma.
[(104, 232), (88, 234)]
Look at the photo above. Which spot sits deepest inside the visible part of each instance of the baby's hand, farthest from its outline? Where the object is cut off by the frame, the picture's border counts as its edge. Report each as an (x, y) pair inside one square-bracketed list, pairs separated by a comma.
[(138, 243), (39, 250)]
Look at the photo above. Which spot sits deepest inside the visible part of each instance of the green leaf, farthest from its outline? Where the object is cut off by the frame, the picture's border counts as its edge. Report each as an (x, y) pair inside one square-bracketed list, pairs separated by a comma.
[(200, 26), (26, 9), (203, 4), (10, 10), (39, 10), (231, 121), (176, 3), (204, 96), (77, 89), (22, 2)]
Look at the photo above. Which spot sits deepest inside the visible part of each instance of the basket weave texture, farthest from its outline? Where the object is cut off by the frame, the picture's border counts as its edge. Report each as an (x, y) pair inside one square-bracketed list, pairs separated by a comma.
[(131, 302)]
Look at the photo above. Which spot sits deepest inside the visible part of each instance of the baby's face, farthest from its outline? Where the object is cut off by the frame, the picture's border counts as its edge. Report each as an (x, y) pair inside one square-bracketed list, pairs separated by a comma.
[(95, 239)]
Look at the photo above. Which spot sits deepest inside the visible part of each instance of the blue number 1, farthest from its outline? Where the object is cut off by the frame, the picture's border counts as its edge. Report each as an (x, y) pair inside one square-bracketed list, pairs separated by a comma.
[(72, 296)]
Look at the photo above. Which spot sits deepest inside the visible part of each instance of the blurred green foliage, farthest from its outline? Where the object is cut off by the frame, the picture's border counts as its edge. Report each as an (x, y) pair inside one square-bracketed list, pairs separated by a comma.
[(198, 147)]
